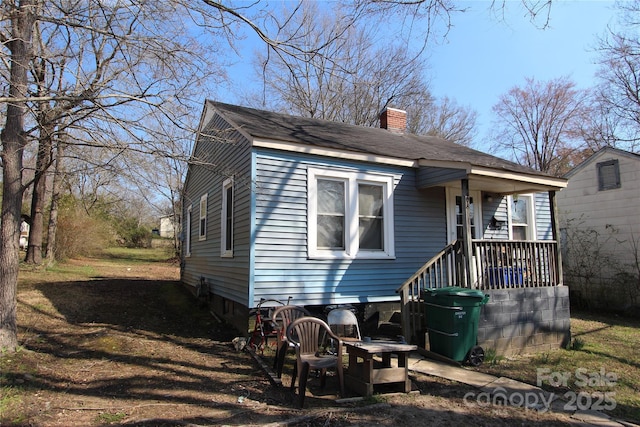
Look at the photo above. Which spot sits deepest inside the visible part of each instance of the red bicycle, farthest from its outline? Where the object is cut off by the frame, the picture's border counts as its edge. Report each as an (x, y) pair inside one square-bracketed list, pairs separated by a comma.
[(264, 325)]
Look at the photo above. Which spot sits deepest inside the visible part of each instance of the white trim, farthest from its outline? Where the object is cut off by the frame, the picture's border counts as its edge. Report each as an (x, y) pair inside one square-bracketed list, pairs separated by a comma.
[(296, 147), (224, 117), (531, 216), (187, 233), (224, 252), (351, 181), (521, 177)]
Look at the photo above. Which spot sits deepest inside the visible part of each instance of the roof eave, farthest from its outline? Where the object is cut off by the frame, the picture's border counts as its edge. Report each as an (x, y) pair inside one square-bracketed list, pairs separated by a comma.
[(297, 147), (538, 181)]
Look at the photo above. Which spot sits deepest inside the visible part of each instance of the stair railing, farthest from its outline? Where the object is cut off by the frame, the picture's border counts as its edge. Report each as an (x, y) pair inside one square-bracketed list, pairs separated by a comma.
[(444, 269)]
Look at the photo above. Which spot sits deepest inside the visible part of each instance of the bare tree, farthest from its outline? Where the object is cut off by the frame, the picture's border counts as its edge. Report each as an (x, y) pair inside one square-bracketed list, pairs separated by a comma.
[(443, 118), (350, 79), (618, 93), (123, 43), (56, 191), (134, 61), (19, 17), (537, 123), (601, 126), (98, 68), (101, 69)]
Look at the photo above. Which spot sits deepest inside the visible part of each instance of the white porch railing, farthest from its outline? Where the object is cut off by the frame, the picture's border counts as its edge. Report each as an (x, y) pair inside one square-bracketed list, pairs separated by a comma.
[(501, 264), (495, 264)]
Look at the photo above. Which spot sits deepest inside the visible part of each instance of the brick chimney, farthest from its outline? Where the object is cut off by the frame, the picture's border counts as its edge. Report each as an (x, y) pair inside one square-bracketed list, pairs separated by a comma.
[(393, 120)]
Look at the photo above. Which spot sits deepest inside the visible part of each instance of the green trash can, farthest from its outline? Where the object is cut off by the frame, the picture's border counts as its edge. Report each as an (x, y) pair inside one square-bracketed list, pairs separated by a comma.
[(452, 315)]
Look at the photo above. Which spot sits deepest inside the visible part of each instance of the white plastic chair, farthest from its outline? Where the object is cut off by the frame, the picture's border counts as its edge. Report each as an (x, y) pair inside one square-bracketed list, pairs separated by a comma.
[(344, 324)]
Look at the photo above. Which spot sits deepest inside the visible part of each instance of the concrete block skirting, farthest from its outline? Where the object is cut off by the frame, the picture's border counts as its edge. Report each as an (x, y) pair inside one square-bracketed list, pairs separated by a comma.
[(525, 320)]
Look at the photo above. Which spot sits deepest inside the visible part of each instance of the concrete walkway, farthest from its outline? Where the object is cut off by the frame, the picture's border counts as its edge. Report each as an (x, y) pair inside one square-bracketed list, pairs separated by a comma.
[(501, 389)]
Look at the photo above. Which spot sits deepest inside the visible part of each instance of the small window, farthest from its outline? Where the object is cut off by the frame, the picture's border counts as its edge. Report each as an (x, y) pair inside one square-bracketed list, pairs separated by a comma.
[(203, 218), (608, 175), (187, 233), (226, 220), (350, 215)]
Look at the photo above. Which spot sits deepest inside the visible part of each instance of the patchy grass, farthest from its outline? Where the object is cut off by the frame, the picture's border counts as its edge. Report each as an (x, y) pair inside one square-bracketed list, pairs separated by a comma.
[(137, 255), (118, 341), (602, 358), (30, 275), (121, 342), (110, 418)]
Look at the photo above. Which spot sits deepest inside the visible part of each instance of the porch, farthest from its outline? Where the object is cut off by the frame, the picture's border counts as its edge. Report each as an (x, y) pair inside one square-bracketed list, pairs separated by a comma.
[(528, 306)]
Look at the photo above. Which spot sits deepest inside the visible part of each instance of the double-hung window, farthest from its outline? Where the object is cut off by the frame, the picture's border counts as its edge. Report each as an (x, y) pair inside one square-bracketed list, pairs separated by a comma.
[(226, 220), (350, 215), (202, 234), (522, 215)]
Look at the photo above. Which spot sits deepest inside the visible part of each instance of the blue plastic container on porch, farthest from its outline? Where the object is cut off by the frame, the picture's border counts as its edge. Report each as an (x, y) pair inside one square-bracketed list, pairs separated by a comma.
[(505, 276), (452, 315)]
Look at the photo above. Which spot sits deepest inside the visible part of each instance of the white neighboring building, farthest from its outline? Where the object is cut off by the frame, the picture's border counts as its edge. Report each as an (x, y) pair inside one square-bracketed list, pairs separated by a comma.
[(168, 226), (600, 216)]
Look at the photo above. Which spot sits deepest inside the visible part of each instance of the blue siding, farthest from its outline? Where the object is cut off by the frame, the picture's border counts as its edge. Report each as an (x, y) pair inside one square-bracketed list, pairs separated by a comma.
[(498, 208), (270, 226), (217, 145), (429, 177), (544, 228), (281, 266)]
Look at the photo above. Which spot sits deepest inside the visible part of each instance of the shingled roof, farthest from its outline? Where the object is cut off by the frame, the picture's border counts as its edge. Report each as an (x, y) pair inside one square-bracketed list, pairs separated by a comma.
[(267, 125)]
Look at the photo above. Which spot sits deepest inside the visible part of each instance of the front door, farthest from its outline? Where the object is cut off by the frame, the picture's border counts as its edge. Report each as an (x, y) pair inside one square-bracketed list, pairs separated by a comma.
[(454, 215), (455, 220)]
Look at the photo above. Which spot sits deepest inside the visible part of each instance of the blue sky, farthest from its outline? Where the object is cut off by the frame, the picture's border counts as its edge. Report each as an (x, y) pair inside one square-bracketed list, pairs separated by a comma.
[(483, 57)]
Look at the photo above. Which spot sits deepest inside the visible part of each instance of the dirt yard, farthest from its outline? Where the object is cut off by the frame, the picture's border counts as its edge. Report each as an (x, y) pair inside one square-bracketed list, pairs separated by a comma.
[(130, 347)]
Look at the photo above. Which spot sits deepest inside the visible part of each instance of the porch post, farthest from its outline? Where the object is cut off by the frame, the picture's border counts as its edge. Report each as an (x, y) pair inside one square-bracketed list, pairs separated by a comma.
[(466, 232), (555, 229)]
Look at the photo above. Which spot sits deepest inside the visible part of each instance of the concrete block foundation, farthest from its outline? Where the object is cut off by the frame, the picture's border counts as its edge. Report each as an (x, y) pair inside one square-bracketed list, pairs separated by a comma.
[(527, 320)]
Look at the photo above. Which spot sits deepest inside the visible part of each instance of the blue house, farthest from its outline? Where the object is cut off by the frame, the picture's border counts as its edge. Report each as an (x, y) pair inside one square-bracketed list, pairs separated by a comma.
[(277, 206)]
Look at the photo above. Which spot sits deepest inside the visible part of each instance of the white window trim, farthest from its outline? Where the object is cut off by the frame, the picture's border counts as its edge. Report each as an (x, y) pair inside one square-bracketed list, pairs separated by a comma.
[(351, 250), (202, 234), (187, 233), (531, 213), (224, 252)]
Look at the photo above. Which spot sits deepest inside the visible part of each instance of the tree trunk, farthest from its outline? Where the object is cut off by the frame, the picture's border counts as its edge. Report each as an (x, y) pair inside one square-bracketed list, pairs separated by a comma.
[(53, 212), (43, 161), (13, 143)]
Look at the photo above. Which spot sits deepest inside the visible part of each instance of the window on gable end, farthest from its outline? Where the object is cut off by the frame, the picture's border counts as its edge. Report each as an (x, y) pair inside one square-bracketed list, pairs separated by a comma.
[(608, 175)]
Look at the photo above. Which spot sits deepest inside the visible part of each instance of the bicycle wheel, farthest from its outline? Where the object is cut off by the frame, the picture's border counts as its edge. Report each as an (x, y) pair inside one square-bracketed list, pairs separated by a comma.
[(256, 342)]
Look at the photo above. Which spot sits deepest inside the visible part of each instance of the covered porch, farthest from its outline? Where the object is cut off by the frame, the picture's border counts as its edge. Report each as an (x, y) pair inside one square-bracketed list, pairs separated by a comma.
[(491, 251)]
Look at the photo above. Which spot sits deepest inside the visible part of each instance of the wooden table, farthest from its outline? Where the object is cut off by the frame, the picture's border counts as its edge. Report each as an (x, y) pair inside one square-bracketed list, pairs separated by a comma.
[(364, 372)]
